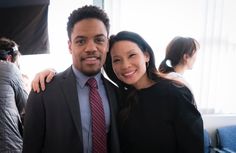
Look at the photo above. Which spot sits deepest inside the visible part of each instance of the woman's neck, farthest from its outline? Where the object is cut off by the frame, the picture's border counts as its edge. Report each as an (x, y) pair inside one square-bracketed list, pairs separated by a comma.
[(144, 82), (180, 69)]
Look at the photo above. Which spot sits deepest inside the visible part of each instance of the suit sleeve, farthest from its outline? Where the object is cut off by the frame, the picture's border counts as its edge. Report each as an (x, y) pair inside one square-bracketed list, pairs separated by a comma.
[(188, 123), (34, 125)]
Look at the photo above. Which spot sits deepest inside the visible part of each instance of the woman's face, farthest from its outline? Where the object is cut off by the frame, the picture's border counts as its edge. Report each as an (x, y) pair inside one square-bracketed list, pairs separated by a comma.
[(129, 63)]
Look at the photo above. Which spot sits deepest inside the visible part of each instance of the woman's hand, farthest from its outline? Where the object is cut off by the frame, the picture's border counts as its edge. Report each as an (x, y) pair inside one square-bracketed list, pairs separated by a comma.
[(45, 76)]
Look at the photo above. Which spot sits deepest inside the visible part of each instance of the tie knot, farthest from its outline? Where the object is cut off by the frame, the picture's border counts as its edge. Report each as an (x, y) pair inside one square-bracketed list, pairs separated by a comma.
[(92, 83)]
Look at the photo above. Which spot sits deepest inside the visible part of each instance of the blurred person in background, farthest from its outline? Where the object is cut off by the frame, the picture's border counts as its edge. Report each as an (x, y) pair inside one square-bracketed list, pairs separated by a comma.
[(13, 97), (181, 54)]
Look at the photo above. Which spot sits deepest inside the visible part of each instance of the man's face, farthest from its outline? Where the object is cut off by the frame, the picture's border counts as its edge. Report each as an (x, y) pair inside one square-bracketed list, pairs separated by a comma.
[(89, 46)]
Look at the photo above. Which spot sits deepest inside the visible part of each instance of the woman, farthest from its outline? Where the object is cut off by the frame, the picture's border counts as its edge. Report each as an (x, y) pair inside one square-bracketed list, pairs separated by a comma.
[(180, 56), (155, 114)]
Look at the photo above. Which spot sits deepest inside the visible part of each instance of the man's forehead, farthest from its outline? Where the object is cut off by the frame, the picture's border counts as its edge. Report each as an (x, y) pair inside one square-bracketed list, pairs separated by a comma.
[(87, 26)]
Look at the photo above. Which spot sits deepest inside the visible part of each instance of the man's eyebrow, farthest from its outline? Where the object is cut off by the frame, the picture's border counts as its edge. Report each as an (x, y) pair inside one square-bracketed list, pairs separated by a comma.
[(100, 35), (84, 37), (79, 37)]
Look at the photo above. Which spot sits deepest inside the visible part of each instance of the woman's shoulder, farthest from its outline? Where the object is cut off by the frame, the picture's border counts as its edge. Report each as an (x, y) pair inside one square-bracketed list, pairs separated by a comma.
[(173, 87), (177, 93)]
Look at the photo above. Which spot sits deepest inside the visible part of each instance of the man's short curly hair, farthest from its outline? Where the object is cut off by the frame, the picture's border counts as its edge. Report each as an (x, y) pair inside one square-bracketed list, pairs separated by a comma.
[(8, 47), (85, 12)]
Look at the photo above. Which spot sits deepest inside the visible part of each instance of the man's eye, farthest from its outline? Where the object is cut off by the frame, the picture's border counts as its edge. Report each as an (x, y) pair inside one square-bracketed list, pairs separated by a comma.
[(80, 42), (100, 40)]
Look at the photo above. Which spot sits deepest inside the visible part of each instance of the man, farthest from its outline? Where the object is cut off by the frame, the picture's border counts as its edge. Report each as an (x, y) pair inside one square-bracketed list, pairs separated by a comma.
[(13, 97), (58, 120)]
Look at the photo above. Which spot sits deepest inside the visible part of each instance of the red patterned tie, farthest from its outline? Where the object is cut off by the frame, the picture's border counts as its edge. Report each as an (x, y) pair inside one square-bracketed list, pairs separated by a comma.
[(99, 142)]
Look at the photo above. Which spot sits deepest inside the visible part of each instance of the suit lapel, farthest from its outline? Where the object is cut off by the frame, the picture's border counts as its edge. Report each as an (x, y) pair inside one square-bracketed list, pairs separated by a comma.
[(111, 96), (113, 134), (68, 86)]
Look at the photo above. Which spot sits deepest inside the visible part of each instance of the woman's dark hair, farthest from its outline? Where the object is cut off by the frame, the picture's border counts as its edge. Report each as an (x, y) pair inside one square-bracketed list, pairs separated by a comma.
[(175, 51), (129, 91), (8, 47), (86, 12)]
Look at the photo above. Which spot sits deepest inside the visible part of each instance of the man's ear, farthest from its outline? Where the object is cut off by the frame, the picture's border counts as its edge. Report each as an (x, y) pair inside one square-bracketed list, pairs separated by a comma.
[(108, 44), (9, 58), (69, 46)]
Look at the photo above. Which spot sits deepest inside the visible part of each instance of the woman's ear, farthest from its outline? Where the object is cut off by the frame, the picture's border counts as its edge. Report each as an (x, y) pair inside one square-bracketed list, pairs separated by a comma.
[(185, 58), (147, 56)]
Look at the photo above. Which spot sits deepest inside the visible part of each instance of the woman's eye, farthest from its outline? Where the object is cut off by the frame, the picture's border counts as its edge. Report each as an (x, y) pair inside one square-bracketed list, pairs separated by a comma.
[(115, 60), (132, 55)]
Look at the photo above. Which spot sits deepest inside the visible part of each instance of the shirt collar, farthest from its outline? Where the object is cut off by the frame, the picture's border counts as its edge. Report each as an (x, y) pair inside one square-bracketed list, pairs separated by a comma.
[(82, 79)]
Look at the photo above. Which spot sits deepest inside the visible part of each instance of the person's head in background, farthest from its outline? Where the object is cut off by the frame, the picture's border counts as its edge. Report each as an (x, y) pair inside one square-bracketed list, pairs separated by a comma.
[(130, 61), (180, 55), (9, 50), (88, 30)]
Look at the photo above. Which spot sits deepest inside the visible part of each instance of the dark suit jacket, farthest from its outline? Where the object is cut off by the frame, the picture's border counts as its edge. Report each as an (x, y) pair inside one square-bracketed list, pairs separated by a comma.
[(53, 122)]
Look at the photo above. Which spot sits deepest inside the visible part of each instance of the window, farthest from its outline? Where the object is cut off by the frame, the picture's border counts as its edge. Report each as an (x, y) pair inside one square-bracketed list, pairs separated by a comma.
[(209, 21)]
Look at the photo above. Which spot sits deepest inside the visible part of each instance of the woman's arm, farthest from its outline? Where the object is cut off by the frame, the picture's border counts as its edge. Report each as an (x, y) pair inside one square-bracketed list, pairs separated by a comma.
[(45, 76), (188, 123)]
